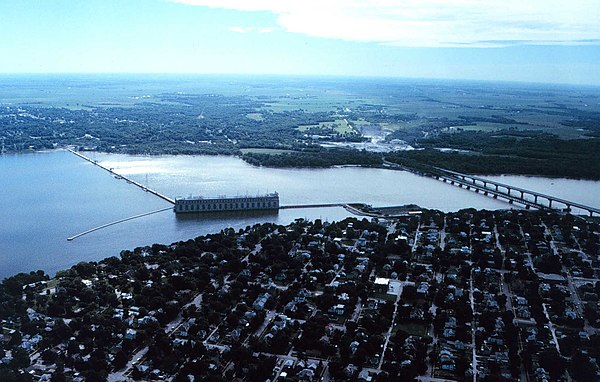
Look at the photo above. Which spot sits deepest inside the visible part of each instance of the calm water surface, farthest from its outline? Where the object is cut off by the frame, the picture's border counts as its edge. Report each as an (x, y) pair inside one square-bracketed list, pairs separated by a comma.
[(47, 197)]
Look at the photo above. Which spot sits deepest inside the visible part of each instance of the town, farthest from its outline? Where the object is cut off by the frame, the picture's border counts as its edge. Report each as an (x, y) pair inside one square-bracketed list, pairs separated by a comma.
[(507, 295)]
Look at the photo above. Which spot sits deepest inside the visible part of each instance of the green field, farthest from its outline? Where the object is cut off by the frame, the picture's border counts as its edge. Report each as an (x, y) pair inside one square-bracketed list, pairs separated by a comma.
[(340, 126), (255, 116)]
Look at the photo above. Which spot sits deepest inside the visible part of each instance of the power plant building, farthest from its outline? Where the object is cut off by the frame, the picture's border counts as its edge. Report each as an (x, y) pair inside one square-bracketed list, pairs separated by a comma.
[(222, 203)]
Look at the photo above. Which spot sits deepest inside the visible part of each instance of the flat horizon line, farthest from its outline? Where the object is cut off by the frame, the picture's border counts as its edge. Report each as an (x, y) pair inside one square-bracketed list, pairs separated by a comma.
[(294, 75)]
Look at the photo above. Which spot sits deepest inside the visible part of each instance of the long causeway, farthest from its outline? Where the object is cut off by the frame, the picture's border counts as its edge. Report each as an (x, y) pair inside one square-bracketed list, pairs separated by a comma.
[(162, 196)]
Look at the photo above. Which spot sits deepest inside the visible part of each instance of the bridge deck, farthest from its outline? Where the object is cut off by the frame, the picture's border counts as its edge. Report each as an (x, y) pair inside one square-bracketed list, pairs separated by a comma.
[(456, 177), (511, 198), (568, 203)]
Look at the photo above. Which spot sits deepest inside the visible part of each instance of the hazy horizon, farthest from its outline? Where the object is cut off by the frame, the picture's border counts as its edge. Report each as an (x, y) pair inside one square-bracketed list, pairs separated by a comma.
[(510, 41), (159, 76)]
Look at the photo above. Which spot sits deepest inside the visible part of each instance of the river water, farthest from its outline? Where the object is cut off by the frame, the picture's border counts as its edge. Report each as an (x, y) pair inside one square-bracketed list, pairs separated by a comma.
[(50, 196)]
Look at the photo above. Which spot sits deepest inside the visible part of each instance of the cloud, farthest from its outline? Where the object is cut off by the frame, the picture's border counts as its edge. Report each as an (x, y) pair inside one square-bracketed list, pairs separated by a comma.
[(265, 30), (430, 23)]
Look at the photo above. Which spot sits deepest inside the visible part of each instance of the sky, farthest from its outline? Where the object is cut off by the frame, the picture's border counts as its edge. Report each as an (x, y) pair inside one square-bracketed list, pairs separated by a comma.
[(548, 41)]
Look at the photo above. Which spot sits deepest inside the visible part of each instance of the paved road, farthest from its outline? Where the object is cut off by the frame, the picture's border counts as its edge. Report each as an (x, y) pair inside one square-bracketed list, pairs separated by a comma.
[(121, 375)]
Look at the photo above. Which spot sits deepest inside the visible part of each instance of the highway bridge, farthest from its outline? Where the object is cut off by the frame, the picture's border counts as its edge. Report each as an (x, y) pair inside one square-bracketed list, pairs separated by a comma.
[(512, 194)]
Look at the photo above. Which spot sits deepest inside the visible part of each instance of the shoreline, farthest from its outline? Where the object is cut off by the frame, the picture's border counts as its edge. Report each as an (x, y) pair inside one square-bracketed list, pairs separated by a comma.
[(66, 148)]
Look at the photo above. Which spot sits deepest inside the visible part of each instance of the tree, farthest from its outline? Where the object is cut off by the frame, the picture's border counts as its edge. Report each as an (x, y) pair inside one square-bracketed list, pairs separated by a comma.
[(20, 358), (553, 362), (59, 373), (120, 360), (582, 368)]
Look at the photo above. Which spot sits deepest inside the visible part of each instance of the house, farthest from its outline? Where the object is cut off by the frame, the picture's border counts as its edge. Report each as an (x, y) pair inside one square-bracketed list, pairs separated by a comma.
[(130, 334), (307, 373), (451, 322), (541, 375), (343, 297), (447, 361), (261, 300), (350, 370), (7, 357), (338, 309), (381, 284), (570, 313), (280, 321), (423, 288), (522, 301), (394, 287), (364, 376), (245, 272), (523, 312), (449, 333)]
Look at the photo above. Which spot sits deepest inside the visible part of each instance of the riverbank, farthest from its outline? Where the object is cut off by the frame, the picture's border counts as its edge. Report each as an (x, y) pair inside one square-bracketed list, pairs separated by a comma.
[(576, 163)]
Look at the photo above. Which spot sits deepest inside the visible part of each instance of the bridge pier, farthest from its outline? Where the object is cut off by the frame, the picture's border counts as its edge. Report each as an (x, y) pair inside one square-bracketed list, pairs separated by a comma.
[(495, 190)]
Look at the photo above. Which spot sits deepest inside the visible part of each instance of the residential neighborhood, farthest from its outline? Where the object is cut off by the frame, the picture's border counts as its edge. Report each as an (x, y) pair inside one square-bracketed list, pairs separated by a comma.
[(465, 296)]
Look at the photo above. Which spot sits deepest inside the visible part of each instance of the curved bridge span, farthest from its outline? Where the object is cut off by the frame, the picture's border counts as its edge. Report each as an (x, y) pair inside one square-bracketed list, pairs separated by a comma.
[(512, 194)]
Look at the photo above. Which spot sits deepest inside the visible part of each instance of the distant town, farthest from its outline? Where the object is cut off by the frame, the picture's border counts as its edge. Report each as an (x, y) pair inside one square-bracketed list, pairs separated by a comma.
[(472, 295)]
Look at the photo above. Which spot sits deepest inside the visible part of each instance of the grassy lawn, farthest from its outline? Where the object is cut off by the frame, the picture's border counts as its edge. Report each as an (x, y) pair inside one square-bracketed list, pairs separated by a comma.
[(385, 296), (412, 328), (340, 126), (255, 116)]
